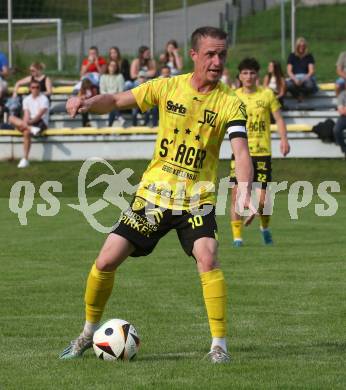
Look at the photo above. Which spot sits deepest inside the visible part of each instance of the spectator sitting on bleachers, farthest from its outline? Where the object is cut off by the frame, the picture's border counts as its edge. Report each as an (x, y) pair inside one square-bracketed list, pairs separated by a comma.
[(4, 72), (301, 70), (274, 79), (340, 125), (153, 113), (172, 58), (341, 72), (35, 118), (87, 90), (165, 71), (142, 65), (113, 82), (123, 64), (36, 74), (93, 64)]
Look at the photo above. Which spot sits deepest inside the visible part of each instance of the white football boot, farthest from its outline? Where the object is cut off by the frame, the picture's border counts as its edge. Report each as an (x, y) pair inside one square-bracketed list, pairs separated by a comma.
[(218, 356), (77, 347)]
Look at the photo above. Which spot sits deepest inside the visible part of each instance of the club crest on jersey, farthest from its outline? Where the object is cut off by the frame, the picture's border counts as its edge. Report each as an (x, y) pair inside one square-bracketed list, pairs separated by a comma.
[(242, 109), (175, 108), (138, 204), (260, 103), (209, 118)]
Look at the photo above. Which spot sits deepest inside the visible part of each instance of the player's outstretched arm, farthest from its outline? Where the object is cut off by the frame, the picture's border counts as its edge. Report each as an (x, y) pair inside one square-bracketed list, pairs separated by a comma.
[(100, 104), (244, 174)]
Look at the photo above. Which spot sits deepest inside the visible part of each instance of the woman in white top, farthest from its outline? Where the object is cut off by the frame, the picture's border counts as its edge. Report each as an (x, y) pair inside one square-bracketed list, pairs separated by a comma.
[(172, 58), (274, 79), (113, 82), (143, 64)]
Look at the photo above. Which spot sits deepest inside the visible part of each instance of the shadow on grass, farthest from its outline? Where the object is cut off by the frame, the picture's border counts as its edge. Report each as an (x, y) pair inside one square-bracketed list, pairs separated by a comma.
[(256, 351), (171, 356)]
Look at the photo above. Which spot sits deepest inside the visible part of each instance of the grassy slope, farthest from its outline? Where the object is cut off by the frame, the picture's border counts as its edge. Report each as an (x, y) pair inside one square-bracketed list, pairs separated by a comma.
[(323, 26), (286, 303), (258, 35)]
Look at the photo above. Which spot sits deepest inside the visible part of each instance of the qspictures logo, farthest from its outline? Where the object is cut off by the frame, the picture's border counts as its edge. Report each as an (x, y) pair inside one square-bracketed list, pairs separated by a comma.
[(23, 195)]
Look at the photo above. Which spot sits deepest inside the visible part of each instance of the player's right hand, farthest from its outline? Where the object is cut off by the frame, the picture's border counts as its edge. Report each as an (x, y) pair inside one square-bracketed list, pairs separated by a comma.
[(252, 212), (73, 105)]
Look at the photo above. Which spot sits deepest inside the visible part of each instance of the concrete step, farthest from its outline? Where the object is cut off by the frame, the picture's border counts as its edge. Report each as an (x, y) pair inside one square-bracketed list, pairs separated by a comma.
[(309, 117)]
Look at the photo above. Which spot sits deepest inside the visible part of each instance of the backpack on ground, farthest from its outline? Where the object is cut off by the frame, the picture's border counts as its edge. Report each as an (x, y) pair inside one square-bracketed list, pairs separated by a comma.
[(324, 130)]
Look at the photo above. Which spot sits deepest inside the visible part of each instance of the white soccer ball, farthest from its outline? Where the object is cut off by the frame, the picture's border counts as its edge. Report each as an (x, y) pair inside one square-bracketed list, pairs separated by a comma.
[(116, 340)]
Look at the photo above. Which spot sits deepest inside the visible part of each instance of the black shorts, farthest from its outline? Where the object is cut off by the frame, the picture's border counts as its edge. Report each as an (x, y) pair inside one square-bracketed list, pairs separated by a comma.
[(262, 170), (41, 124), (144, 224)]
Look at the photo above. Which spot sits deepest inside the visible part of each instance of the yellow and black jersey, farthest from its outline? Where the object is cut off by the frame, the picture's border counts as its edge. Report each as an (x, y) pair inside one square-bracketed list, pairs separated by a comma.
[(259, 105), (183, 169)]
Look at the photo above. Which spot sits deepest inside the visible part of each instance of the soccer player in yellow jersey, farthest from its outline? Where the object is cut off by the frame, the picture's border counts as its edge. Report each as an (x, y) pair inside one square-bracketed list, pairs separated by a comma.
[(260, 102), (176, 190)]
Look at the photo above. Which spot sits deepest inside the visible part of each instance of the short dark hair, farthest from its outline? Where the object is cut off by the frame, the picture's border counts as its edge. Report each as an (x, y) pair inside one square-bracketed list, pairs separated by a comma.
[(94, 48), (207, 31), (35, 82), (249, 63)]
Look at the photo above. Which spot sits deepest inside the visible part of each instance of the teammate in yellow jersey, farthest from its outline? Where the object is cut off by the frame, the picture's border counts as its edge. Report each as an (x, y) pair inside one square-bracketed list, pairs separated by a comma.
[(176, 190), (260, 102)]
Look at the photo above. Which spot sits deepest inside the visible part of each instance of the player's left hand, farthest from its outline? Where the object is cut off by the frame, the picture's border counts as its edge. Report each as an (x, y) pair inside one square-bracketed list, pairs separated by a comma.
[(284, 147)]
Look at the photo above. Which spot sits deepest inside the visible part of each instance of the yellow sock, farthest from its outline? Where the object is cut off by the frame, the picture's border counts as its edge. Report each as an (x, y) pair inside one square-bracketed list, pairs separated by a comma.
[(98, 289), (265, 221), (237, 229), (214, 293)]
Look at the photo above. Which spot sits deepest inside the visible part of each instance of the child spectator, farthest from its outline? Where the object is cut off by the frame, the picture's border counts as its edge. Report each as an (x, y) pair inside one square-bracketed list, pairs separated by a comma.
[(301, 70), (93, 63), (153, 113), (35, 118), (123, 64), (87, 90), (172, 58), (165, 71), (274, 79), (113, 82)]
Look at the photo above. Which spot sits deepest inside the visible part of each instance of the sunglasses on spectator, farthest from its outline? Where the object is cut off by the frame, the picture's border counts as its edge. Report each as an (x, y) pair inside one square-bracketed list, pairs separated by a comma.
[(35, 87)]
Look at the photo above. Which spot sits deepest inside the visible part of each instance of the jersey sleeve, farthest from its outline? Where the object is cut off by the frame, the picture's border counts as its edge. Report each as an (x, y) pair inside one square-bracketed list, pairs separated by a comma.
[(147, 94), (236, 125)]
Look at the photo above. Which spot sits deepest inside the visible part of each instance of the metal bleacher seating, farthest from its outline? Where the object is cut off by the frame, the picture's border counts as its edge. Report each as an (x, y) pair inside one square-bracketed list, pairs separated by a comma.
[(66, 133), (313, 110)]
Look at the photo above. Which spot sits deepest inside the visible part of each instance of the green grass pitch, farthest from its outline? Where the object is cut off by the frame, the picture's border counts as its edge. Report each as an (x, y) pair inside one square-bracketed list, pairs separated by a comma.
[(286, 303)]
